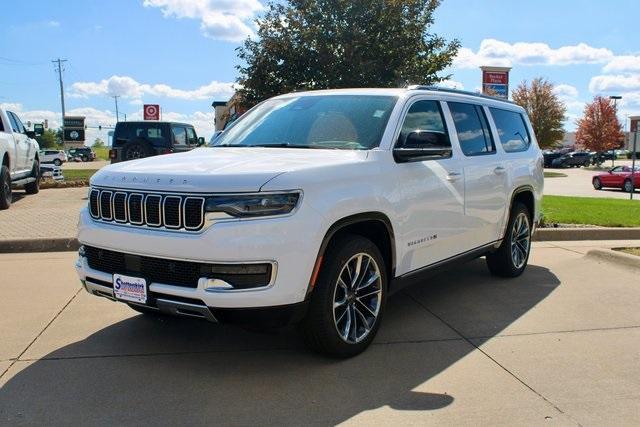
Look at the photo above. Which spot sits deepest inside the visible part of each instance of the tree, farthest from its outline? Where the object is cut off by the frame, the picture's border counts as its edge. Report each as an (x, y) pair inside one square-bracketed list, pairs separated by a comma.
[(48, 139), (546, 111), (320, 44), (98, 143), (599, 128)]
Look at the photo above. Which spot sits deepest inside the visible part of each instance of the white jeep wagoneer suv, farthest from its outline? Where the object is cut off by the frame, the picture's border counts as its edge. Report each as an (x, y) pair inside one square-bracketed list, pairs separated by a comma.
[(313, 207)]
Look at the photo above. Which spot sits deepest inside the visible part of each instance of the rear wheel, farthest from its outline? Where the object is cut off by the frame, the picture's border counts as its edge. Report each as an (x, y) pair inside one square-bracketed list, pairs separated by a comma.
[(512, 256), (597, 184), (136, 150), (347, 303), (627, 186), (5, 187), (34, 187)]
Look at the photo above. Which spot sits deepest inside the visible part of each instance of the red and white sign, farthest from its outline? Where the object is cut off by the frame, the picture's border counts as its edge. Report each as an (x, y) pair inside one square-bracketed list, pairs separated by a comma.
[(151, 112), (495, 77)]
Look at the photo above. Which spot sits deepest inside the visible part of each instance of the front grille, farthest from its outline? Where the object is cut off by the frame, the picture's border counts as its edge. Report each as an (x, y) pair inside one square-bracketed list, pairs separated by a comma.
[(177, 273), (174, 212)]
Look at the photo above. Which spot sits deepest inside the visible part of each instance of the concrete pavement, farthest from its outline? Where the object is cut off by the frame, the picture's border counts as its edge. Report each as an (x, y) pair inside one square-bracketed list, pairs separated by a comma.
[(558, 345)]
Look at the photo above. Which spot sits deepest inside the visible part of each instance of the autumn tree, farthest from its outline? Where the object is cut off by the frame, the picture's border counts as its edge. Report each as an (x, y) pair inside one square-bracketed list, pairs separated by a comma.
[(545, 109), (599, 128), (320, 44)]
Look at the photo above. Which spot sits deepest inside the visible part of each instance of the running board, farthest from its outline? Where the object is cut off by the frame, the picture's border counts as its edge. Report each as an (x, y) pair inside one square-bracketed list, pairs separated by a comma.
[(23, 181)]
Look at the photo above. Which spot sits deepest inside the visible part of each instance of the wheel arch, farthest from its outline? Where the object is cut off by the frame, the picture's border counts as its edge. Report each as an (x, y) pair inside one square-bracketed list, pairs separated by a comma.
[(6, 161), (375, 226), (525, 195)]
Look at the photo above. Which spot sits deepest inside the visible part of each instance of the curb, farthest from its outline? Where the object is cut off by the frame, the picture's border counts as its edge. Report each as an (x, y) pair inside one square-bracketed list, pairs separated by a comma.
[(567, 234), (608, 255), (39, 245)]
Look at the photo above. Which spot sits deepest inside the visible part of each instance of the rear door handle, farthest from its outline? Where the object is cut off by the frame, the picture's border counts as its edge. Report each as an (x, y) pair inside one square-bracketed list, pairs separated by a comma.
[(453, 176), (499, 170)]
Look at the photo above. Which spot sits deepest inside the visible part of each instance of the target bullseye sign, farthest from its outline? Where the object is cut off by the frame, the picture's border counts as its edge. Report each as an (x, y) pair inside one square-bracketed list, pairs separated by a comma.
[(151, 112)]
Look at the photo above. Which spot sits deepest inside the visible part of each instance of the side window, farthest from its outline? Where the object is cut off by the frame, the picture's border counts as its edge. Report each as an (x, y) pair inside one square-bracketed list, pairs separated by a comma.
[(14, 123), (191, 136), (21, 127), (512, 131), (472, 129), (1, 124), (423, 116), (179, 135)]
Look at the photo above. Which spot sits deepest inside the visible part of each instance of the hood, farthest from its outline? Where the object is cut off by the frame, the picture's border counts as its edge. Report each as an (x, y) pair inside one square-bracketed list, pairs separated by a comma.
[(224, 169)]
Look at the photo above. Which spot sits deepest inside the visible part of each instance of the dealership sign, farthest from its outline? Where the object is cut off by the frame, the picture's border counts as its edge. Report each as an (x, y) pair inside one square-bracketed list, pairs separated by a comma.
[(151, 112), (495, 81)]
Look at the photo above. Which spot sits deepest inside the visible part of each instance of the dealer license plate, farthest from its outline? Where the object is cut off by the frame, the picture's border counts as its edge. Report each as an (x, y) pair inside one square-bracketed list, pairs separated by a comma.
[(128, 288)]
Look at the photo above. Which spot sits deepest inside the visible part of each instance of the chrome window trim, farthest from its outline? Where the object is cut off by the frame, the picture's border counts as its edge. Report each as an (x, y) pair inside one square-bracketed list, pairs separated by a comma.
[(184, 212), (102, 216), (160, 211), (113, 207), (164, 216), (141, 208)]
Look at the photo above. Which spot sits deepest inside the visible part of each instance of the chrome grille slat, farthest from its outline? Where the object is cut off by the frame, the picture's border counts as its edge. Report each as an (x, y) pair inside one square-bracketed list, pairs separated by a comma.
[(173, 212)]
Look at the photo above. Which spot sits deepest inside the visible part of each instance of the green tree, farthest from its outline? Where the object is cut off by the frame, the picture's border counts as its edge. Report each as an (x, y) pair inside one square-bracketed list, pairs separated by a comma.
[(546, 111), (48, 139), (98, 143), (320, 44)]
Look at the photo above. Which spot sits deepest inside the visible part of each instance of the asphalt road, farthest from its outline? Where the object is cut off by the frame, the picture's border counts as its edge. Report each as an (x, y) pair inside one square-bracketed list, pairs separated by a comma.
[(560, 345)]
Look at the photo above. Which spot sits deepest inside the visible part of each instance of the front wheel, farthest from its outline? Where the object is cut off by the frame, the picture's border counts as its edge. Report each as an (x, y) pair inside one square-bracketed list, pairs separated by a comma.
[(347, 303), (512, 256), (34, 187), (5, 188), (597, 184)]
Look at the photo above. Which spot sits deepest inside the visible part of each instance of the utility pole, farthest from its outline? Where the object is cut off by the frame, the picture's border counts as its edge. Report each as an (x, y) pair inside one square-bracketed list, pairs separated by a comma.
[(59, 63), (116, 98)]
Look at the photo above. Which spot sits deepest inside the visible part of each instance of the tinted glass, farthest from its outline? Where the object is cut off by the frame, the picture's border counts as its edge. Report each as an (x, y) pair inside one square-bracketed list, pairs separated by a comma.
[(1, 124), (14, 123), (191, 136), (21, 127), (423, 116), (471, 127), (179, 135), (512, 131), (151, 131), (350, 122)]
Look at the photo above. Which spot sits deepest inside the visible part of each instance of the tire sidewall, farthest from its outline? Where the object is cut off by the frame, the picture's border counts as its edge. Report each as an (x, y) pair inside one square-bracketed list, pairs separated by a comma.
[(322, 297), (517, 210), (597, 184), (627, 186), (5, 193)]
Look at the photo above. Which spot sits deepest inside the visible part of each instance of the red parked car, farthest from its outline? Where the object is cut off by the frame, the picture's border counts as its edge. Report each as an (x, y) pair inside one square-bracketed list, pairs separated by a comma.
[(618, 177)]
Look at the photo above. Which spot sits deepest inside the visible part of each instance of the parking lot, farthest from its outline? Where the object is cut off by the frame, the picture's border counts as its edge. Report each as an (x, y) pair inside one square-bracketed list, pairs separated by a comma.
[(559, 344), (578, 182)]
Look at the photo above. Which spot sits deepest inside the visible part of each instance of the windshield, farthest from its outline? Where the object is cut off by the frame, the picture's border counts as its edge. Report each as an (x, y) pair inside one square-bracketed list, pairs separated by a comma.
[(350, 122)]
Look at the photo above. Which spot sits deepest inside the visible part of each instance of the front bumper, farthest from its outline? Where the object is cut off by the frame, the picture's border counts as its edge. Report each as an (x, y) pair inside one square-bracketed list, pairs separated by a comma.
[(289, 243)]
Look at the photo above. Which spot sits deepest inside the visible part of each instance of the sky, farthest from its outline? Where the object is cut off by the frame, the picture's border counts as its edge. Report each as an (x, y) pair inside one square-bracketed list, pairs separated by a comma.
[(181, 53)]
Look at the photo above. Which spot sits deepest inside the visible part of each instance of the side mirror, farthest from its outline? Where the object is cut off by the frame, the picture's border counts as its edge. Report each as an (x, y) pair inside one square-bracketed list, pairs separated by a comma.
[(200, 141), (423, 145), (31, 134)]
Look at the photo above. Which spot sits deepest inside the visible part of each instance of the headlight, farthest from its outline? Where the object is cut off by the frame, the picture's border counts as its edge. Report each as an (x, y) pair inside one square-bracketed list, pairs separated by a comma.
[(253, 205)]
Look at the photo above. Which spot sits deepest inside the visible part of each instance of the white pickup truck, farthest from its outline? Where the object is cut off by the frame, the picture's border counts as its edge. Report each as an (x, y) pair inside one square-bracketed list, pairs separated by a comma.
[(19, 154)]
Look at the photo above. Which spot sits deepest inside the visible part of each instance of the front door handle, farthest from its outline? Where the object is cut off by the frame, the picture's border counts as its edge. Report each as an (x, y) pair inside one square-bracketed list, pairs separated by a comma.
[(453, 176), (499, 170)]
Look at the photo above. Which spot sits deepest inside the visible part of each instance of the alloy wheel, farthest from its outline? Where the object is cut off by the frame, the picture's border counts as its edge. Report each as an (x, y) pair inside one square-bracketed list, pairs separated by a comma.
[(520, 240), (357, 298)]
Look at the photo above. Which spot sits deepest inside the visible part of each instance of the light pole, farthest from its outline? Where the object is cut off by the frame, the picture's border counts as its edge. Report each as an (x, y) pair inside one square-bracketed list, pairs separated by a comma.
[(615, 99), (116, 98)]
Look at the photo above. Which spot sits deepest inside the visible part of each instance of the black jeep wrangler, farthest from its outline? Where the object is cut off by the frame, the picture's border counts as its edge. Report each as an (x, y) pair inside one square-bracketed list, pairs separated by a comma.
[(135, 140)]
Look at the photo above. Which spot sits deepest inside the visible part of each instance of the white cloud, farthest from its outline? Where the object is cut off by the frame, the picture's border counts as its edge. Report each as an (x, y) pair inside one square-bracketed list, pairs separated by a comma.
[(565, 91), (451, 84), (128, 87), (622, 64), (229, 20), (494, 52), (53, 24), (202, 121), (614, 83)]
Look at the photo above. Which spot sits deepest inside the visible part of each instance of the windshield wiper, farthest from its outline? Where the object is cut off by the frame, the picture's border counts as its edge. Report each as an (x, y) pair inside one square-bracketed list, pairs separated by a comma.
[(285, 145)]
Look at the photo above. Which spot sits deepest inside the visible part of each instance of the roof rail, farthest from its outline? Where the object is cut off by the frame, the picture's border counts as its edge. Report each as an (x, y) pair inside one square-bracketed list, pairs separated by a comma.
[(458, 91)]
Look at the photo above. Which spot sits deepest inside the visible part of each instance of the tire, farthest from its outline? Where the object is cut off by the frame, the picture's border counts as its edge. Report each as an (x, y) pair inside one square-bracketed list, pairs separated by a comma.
[(627, 187), (511, 258), (136, 150), (323, 320), (34, 187), (57, 162), (5, 188), (597, 184)]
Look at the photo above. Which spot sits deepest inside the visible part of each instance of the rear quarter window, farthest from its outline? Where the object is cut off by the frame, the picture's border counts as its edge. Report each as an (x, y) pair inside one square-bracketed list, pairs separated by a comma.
[(512, 131)]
